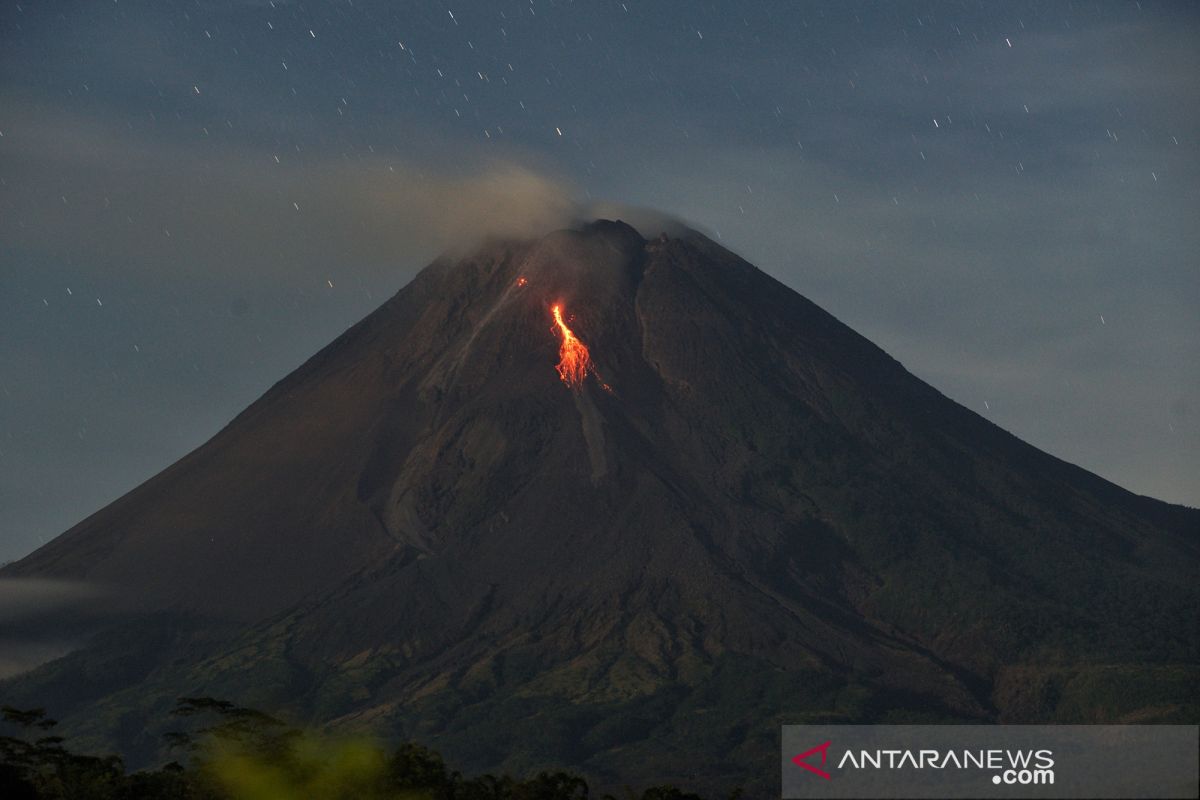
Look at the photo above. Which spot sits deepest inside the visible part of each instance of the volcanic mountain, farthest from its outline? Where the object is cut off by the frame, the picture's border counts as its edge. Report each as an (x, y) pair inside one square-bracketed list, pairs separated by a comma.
[(622, 505)]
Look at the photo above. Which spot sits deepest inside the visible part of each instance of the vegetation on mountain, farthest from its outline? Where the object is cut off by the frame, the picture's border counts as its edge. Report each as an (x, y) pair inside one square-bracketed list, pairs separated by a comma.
[(244, 754)]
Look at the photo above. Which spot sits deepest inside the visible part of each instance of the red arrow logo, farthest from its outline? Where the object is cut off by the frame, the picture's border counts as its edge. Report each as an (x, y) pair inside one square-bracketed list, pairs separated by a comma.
[(823, 749)]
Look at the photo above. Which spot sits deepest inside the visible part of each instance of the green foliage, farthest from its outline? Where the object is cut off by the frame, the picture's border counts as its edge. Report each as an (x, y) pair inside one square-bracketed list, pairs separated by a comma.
[(35, 718), (237, 753), (306, 767), (40, 767)]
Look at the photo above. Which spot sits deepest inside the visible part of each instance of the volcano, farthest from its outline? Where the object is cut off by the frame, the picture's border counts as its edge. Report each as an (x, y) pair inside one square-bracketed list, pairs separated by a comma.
[(624, 506)]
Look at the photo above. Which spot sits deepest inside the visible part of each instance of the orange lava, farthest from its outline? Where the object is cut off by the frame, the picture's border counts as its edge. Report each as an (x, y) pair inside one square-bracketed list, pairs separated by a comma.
[(574, 361)]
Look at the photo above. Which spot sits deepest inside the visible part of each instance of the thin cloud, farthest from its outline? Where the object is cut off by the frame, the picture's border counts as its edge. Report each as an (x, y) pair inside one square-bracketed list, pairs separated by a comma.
[(43, 619), (92, 192)]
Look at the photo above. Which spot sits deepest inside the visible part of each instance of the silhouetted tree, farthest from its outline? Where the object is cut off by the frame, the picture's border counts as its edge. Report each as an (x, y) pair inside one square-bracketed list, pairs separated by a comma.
[(239, 753)]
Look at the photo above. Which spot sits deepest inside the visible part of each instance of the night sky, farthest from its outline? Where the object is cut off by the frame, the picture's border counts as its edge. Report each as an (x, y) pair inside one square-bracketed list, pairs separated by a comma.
[(196, 196)]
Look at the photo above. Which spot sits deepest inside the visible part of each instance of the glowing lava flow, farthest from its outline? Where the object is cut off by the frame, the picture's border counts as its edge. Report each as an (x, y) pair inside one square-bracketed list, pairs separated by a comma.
[(574, 361)]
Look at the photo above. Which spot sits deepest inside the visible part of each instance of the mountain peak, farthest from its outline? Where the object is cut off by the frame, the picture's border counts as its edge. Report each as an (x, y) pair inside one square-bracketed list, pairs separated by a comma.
[(618, 230)]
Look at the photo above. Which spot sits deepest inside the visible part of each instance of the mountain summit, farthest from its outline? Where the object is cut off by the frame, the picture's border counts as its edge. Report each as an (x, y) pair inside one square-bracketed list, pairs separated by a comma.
[(623, 505)]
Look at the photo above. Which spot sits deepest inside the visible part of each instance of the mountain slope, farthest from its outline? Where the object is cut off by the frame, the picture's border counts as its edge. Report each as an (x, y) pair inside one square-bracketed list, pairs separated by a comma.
[(745, 513)]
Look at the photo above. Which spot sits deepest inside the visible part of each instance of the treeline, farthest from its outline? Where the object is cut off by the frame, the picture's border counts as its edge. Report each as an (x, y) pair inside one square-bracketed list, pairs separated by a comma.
[(234, 753)]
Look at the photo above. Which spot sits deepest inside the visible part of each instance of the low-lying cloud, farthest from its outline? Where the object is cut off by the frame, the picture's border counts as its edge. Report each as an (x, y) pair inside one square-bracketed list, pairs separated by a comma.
[(24, 600), (43, 619)]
